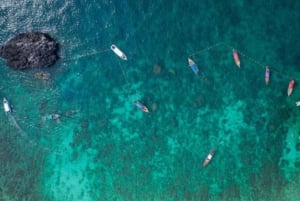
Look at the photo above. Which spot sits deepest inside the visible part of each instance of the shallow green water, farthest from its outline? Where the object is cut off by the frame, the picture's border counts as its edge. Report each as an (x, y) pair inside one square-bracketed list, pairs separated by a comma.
[(103, 148)]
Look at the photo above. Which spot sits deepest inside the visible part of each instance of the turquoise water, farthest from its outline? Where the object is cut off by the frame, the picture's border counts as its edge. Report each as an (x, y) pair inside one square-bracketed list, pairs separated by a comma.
[(103, 148)]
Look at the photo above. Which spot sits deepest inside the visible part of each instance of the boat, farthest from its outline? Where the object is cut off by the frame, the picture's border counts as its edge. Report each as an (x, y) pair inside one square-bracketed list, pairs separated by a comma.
[(209, 157), (141, 106), (236, 58), (267, 75), (193, 66), (290, 87), (118, 52), (6, 106)]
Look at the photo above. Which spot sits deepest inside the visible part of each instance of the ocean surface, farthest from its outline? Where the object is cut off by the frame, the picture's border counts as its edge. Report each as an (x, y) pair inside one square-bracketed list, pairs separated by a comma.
[(103, 148)]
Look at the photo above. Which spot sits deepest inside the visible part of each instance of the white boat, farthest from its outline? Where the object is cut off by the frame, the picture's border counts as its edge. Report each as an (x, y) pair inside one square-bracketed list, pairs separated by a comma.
[(209, 157), (6, 106), (118, 52), (141, 106)]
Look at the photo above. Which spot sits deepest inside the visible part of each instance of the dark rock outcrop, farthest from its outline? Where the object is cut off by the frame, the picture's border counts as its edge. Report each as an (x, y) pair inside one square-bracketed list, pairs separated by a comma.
[(29, 50)]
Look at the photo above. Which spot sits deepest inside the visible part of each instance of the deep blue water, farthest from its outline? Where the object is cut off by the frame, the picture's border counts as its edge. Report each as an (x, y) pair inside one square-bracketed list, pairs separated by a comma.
[(104, 148)]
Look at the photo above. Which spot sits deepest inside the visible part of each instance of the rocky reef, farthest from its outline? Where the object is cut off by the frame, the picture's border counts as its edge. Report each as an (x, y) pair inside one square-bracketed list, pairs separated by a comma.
[(29, 50)]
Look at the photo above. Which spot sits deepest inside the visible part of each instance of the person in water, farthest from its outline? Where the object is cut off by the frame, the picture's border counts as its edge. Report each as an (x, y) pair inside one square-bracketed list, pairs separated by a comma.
[(51, 117)]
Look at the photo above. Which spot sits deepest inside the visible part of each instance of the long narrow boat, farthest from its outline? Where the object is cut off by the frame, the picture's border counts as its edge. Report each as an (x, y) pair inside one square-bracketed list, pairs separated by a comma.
[(267, 75), (6, 106), (118, 52), (290, 87), (193, 66), (141, 106), (236, 58), (209, 157)]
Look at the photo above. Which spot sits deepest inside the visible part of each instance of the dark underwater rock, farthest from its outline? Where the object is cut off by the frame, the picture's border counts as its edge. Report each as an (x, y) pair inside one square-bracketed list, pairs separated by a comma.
[(29, 50)]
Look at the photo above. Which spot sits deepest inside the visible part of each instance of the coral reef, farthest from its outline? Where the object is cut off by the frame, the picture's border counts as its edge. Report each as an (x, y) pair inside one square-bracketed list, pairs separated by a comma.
[(20, 167)]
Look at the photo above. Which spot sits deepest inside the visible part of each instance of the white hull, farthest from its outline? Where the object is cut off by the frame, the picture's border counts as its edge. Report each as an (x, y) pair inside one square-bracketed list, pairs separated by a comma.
[(118, 52), (289, 92), (209, 157), (6, 105)]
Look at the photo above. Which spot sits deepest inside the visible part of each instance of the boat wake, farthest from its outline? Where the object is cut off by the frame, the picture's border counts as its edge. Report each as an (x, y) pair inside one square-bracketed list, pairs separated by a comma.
[(13, 121), (24, 136)]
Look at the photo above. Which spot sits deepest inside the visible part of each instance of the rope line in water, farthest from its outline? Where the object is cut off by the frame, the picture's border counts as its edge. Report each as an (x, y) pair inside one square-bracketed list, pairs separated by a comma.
[(207, 49), (84, 55), (130, 89), (124, 75), (244, 55), (241, 53), (273, 69)]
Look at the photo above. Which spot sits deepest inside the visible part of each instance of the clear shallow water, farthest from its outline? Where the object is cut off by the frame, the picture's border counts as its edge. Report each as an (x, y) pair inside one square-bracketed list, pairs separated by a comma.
[(105, 149)]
